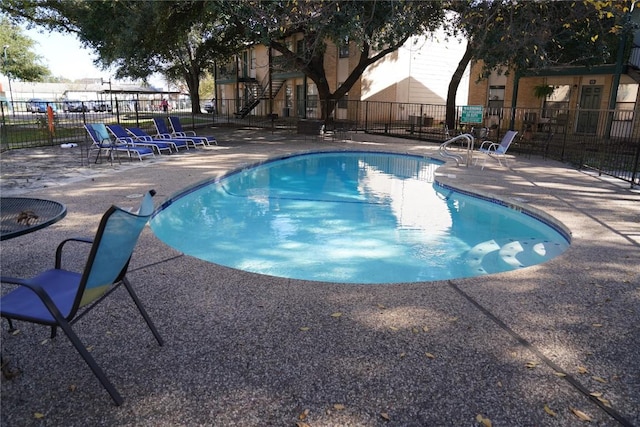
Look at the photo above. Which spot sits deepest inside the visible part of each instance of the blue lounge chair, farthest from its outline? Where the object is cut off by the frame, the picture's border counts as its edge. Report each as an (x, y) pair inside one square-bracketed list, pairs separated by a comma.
[(175, 143), (123, 136), (101, 141), (497, 151), (162, 129), (174, 122), (59, 297), (164, 132)]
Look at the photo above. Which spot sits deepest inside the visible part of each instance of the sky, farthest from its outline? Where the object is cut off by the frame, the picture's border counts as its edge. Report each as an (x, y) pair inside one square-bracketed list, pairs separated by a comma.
[(64, 55)]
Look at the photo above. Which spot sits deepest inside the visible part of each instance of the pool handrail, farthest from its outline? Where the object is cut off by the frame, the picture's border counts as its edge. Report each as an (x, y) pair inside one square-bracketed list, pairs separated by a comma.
[(457, 157)]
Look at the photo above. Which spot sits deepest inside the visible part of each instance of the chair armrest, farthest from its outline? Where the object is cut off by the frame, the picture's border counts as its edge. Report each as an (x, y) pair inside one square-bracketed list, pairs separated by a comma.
[(64, 242), (36, 289), (489, 145)]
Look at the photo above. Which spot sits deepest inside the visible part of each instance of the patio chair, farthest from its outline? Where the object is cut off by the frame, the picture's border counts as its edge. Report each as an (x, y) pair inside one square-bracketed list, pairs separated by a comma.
[(123, 136), (163, 132), (174, 122), (497, 151), (175, 143), (101, 140), (59, 297)]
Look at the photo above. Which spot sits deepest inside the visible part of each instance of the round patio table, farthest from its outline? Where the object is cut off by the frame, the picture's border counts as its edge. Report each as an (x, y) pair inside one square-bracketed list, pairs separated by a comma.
[(23, 215)]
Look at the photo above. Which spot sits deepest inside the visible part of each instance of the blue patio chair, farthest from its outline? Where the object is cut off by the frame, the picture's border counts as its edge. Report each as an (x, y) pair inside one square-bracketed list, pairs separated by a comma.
[(497, 151), (123, 136), (175, 143), (101, 140), (164, 132), (174, 122), (59, 297)]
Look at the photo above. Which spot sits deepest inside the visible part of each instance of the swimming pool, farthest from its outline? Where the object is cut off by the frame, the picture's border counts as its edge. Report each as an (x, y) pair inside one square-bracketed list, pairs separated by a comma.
[(352, 217)]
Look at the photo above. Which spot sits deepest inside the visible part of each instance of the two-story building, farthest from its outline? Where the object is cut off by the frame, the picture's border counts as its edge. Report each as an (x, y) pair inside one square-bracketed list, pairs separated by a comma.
[(599, 100), (260, 82)]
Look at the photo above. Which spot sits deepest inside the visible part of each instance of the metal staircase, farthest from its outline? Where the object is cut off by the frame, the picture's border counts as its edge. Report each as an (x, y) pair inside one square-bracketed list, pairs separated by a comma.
[(258, 91)]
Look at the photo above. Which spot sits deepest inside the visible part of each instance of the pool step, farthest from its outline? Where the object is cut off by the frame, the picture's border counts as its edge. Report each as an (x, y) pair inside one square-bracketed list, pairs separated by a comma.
[(491, 256)]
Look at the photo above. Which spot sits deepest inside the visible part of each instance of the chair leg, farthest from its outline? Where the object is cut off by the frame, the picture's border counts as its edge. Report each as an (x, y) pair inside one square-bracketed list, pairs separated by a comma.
[(143, 312), (97, 371)]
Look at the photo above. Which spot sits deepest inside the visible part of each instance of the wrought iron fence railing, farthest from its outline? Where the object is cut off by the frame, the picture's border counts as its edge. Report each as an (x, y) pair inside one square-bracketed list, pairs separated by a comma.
[(604, 140)]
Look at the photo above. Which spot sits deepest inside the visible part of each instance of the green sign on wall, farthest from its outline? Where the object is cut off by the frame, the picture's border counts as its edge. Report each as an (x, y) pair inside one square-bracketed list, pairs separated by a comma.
[(471, 114)]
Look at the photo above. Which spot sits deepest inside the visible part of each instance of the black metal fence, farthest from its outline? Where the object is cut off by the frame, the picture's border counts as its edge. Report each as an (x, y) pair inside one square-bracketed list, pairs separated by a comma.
[(605, 140)]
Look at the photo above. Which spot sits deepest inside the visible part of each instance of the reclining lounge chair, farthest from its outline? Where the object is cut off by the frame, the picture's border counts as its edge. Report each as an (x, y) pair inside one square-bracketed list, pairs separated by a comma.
[(179, 132), (495, 150), (101, 141), (175, 143), (122, 136)]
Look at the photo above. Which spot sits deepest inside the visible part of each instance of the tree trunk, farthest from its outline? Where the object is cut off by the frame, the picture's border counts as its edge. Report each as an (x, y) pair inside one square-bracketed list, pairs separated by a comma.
[(193, 83), (453, 87)]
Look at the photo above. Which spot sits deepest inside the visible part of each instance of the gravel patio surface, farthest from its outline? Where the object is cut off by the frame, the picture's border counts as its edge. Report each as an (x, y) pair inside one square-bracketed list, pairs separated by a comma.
[(549, 345)]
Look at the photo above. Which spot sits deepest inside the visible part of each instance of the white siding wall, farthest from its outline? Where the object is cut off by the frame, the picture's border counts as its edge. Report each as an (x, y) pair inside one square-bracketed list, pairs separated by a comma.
[(419, 72)]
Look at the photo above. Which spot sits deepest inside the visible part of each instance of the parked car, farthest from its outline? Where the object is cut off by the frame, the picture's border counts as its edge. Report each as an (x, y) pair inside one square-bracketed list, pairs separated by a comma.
[(75, 106), (210, 106), (102, 106), (40, 105)]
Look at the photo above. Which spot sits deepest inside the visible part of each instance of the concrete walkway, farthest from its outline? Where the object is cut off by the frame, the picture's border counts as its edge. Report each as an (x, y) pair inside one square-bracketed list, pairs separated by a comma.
[(542, 346)]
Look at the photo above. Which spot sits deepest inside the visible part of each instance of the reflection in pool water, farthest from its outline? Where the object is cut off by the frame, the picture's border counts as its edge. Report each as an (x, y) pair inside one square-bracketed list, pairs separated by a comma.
[(352, 217)]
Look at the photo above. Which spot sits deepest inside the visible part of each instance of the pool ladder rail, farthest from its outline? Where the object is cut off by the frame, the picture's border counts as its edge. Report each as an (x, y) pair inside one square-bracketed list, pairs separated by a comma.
[(444, 150)]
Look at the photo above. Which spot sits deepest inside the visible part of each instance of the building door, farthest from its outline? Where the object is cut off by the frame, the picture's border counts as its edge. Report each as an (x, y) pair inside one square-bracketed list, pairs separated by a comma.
[(301, 101), (590, 100)]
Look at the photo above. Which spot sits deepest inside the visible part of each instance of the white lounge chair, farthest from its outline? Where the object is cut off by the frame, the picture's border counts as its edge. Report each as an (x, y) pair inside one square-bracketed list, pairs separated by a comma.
[(496, 151)]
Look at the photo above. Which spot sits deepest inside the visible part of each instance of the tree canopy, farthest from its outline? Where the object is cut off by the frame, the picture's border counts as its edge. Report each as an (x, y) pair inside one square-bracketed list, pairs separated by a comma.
[(531, 36), (376, 29), (184, 39), (21, 62), (179, 39)]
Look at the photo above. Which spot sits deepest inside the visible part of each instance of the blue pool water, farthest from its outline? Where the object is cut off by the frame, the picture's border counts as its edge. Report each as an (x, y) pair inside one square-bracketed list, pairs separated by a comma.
[(351, 217)]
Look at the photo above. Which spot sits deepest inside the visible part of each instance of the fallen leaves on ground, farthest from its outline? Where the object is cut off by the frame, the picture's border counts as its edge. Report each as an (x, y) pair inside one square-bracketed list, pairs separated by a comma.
[(549, 411), (303, 415), (486, 422), (581, 415)]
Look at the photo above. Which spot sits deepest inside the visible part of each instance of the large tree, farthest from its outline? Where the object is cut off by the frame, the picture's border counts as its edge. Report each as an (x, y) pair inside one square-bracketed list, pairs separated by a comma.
[(529, 36), (179, 39), (376, 28), (18, 60)]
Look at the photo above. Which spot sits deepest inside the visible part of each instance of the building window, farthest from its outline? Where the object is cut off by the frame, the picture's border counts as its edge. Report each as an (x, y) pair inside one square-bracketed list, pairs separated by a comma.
[(557, 103), (312, 96), (626, 101), (343, 50), (496, 100)]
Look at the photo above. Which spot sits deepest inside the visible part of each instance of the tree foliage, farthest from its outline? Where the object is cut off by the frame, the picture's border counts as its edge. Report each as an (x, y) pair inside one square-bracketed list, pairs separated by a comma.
[(179, 39), (376, 29), (21, 62), (530, 36)]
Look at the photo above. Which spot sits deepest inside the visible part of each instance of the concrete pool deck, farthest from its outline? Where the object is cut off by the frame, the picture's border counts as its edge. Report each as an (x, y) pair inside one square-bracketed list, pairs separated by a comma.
[(541, 346)]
